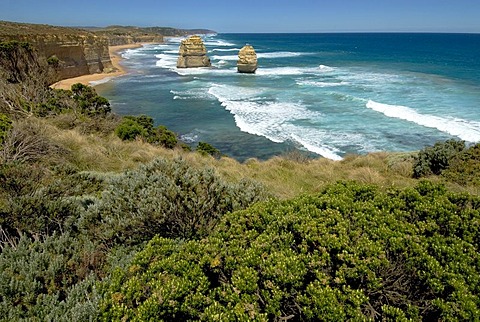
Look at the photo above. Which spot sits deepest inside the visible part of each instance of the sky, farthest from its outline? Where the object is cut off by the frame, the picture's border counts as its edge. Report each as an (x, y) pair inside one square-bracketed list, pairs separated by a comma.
[(248, 16)]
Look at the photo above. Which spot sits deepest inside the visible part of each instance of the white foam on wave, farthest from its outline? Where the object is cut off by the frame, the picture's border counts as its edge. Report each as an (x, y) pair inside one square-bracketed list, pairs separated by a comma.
[(135, 52), (194, 93), (225, 57), (100, 81), (326, 68), (273, 55), (465, 130), (320, 84), (203, 71), (166, 61), (221, 63), (288, 71), (220, 43), (225, 49), (280, 54), (175, 40), (325, 151), (271, 119)]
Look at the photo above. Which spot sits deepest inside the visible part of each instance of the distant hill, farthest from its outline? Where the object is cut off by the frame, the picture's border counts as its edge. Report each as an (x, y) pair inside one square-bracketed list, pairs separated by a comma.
[(120, 35), (8, 28), (137, 31)]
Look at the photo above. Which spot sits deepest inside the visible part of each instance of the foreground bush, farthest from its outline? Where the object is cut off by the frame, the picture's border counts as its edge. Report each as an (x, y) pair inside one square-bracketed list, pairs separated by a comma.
[(350, 253), (435, 159), (169, 198), (464, 167), (141, 126), (48, 280)]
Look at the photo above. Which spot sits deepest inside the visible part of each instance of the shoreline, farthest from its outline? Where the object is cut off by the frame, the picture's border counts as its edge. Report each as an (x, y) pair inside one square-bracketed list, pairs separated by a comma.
[(115, 58)]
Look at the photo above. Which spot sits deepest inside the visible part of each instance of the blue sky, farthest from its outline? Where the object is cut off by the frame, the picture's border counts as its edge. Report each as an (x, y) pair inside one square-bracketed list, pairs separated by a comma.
[(255, 15)]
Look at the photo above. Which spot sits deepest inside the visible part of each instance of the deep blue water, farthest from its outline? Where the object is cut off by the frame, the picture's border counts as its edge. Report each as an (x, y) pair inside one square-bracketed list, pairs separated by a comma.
[(330, 94)]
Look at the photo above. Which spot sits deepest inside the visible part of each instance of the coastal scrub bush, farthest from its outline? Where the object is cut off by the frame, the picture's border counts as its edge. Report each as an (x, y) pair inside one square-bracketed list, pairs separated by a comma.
[(89, 102), (129, 130), (5, 126), (165, 137), (53, 61), (48, 280), (435, 159), (142, 126), (168, 198), (351, 253), (206, 148), (464, 167)]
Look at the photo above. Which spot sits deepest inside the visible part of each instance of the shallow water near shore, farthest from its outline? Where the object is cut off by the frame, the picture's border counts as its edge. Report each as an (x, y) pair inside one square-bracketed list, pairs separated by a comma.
[(328, 94)]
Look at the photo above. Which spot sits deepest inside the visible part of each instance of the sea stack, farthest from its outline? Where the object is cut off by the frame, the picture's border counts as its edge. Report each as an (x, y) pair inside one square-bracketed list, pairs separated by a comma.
[(193, 53), (247, 60)]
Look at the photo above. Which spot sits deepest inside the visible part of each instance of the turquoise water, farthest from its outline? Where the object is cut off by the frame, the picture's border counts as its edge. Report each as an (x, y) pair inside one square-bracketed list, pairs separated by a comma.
[(330, 94)]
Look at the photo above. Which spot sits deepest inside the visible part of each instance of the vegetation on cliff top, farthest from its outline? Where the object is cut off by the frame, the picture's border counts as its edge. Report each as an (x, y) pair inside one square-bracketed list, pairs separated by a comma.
[(25, 29), (103, 217), (143, 31)]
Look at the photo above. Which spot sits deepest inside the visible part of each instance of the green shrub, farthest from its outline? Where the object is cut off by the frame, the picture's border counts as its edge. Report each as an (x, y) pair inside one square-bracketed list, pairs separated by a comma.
[(48, 280), (89, 102), (165, 137), (129, 130), (169, 198), (464, 167), (53, 61), (5, 126), (142, 126), (145, 122), (433, 160), (350, 253), (206, 148)]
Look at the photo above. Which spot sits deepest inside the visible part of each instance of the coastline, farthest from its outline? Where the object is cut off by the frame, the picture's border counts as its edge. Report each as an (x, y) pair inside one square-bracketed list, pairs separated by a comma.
[(86, 79)]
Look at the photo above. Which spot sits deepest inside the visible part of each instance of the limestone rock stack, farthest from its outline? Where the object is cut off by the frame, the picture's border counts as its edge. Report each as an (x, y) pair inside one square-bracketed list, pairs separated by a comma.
[(192, 53), (247, 60)]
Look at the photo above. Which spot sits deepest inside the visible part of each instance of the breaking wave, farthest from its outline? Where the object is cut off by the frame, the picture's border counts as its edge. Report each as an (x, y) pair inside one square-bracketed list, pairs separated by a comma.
[(465, 130)]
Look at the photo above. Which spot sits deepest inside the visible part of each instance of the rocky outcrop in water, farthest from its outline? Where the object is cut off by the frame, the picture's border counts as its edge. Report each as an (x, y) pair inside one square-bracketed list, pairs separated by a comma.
[(247, 60), (192, 53)]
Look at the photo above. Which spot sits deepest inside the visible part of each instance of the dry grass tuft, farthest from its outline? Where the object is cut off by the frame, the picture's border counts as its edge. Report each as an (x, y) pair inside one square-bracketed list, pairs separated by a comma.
[(283, 177)]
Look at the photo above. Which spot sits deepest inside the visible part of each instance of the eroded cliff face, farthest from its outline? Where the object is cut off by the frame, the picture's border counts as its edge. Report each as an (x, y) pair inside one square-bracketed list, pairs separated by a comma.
[(73, 51), (119, 40), (192, 53), (77, 54)]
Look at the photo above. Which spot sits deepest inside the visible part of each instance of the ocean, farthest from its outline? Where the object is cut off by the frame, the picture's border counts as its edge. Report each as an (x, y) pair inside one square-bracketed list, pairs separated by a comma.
[(326, 94)]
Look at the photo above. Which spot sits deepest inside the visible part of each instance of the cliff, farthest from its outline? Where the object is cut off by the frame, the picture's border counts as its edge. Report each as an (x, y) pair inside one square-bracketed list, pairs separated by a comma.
[(192, 53), (123, 35), (75, 52), (120, 35)]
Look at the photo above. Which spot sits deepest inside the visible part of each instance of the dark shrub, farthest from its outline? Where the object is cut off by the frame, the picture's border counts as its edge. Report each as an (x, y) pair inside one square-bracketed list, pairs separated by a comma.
[(129, 129), (168, 198), (433, 160), (464, 167), (206, 148), (351, 253)]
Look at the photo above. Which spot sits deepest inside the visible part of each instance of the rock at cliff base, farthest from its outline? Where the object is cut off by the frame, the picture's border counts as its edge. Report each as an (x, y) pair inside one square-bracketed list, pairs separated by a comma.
[(192, 53), (247, 60)]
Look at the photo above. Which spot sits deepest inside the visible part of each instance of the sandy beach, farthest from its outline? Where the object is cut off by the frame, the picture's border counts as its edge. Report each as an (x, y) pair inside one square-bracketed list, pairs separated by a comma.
[(86, 79)]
